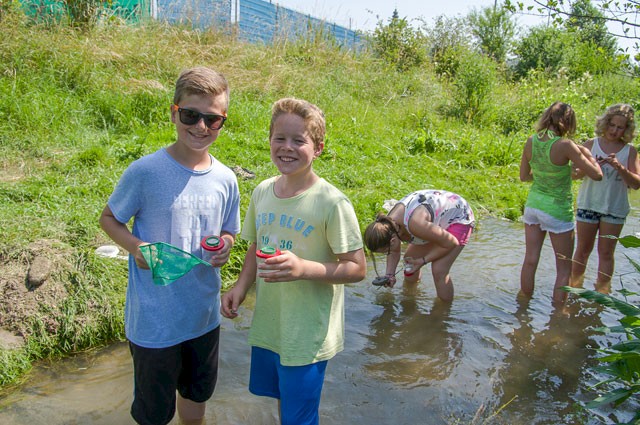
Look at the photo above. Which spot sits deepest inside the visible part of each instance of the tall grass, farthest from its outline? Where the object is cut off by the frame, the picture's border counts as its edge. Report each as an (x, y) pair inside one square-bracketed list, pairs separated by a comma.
[(80, 105)]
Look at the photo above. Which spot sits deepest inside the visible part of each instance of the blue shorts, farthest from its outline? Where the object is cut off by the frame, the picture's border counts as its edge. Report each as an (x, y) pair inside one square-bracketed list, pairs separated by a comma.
[(592, 217), (297, 387), (190, 367)]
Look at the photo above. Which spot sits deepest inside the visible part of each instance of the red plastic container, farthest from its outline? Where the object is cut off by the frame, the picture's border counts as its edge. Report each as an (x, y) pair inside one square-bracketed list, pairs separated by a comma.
[(408, 270), (210, 245), (264, 253)]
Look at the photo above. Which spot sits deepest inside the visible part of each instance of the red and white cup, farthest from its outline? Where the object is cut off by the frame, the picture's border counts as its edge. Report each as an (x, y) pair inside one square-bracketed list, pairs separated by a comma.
[(408, 269), (264, 253), (210, 245)]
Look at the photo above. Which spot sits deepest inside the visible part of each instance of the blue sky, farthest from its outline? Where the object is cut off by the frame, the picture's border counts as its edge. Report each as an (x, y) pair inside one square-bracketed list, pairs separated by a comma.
[(364, 14)]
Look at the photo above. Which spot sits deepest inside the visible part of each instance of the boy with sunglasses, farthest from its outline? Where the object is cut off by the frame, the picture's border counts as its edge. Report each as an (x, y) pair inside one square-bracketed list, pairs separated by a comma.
[(177, 195), (298, 321)]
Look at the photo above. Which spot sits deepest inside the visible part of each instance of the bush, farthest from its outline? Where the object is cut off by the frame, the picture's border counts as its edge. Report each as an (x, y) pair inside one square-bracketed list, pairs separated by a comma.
[(446, 41), (586, 57), (542, 48), (494, 31), (398, 44), (473, 83)]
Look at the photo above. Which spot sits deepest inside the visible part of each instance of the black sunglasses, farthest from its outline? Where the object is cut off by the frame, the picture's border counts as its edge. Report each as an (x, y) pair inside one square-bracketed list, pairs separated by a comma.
[(191, 117)]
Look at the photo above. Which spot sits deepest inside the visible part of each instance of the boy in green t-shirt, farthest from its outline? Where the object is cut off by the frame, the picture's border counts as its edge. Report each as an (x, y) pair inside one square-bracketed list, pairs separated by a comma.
[(298, 322)]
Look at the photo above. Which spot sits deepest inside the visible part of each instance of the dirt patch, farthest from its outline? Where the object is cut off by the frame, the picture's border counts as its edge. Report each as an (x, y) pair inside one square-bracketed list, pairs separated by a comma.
[(10, 172), (30, 288)]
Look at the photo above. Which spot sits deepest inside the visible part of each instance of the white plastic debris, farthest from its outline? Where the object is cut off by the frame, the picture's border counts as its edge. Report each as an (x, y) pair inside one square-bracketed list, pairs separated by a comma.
[(388, 204), (110, 251)]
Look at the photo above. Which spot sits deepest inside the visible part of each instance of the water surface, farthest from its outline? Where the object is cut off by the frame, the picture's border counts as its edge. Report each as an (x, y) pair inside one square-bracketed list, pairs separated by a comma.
[(409, 358)]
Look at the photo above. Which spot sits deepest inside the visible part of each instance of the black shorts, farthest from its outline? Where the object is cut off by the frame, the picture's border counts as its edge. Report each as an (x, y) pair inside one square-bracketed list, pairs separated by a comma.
[(190, 367)]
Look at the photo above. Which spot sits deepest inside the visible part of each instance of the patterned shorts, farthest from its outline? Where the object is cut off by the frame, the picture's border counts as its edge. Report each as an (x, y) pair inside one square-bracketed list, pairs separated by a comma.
[(593, 217)]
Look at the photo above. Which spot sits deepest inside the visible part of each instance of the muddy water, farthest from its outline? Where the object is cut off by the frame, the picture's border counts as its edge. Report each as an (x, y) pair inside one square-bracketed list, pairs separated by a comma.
[(409, 359)]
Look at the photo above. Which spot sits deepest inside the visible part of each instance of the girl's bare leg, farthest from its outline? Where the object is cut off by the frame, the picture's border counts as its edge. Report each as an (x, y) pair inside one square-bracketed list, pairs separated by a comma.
[(429, 253), (563, 248), (440, 270), (606, 261), (534, 237), (586, 235)]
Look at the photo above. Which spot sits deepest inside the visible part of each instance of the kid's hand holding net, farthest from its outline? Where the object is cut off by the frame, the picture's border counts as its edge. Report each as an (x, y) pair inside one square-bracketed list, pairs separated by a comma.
[(167, 262)]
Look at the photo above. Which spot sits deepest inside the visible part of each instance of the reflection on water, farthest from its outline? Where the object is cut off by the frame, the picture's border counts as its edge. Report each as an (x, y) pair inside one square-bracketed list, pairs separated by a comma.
[(542, 371), (409, 342), (409, 358)]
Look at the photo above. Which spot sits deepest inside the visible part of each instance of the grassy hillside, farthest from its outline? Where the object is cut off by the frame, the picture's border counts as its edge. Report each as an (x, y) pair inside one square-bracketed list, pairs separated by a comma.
[(80, 105)]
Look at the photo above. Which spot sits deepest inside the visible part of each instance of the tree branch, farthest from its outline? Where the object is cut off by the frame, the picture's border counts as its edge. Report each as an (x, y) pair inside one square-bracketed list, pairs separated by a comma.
[(614, 17)]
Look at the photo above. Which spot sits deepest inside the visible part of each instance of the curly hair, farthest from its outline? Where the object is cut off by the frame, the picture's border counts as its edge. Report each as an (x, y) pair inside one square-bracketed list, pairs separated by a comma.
[(619, 109)]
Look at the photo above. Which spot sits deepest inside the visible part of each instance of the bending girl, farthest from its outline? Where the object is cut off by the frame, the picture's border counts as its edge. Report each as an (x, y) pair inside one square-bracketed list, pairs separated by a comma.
[(436, 224)]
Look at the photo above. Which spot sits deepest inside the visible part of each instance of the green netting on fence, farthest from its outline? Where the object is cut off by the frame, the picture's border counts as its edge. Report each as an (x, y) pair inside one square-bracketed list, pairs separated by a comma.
[(130, 10)]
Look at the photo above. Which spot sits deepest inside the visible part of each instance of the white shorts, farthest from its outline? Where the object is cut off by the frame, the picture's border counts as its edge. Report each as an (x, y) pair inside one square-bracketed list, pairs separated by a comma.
[(547, 222)]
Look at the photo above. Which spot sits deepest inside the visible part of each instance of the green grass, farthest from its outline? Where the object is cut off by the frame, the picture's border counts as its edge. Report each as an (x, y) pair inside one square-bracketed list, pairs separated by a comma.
[(80, 105)]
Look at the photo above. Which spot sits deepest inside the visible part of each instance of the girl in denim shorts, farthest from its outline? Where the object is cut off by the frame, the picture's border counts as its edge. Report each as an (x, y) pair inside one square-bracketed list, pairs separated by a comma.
[(603, 205)]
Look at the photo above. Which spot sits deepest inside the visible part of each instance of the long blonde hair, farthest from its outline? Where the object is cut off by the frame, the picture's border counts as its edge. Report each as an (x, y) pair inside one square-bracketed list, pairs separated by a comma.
[(623, 110)]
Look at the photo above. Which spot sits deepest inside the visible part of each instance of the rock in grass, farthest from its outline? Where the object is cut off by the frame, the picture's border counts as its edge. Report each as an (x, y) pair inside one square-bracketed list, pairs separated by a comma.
[(9, 341), (39, 272)]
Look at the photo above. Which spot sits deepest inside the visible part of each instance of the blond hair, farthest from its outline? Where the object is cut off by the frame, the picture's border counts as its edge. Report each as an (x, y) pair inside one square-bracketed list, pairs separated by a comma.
[(619, 109), (312, 115), (201, 81), (561, 117)]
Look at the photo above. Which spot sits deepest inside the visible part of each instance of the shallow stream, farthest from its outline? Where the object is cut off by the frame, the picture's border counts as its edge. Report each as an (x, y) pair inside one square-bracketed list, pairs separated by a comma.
[(409, 359)]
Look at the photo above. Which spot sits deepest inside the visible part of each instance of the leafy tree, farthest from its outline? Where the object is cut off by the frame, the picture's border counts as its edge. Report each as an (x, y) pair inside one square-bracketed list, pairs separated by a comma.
[(591, 26), (586, 57), (447, 41), (551, 48), (398, 44), (625, 13), (494, 30), (542, 48)]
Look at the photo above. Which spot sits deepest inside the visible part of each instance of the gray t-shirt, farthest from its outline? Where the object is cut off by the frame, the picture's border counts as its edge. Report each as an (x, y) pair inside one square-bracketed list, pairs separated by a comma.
[(173, 204)]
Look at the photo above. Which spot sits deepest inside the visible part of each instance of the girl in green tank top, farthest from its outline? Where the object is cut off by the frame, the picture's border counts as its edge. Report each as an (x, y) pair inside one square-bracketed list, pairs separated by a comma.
[(546, 161)]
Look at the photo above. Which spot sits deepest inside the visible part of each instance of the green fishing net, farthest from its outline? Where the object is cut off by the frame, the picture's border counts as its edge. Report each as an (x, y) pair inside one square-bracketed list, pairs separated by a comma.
[(168, 263)]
